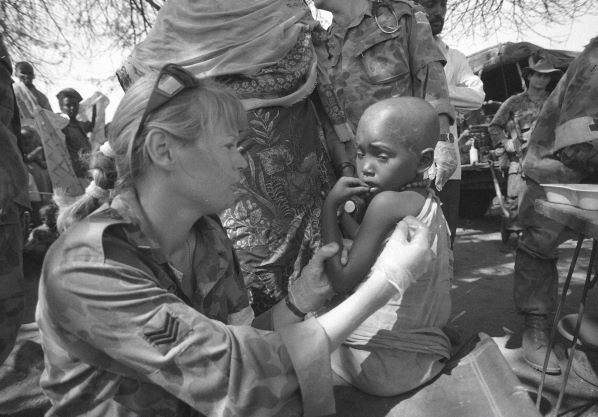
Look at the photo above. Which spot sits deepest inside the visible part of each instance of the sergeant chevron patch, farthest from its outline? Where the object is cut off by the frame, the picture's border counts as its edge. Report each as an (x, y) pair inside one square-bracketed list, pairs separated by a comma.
[(164, 331)]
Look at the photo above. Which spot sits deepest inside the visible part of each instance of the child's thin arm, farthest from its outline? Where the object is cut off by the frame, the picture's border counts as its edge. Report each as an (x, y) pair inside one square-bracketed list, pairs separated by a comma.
[(383, 213), (329, 220), (348, 225)]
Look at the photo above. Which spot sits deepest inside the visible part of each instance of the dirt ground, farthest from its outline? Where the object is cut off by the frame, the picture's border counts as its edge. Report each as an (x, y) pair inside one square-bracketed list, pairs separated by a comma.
[(482, 302)]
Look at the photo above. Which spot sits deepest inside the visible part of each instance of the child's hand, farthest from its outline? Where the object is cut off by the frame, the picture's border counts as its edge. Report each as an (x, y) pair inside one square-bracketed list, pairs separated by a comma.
[(345, 188)]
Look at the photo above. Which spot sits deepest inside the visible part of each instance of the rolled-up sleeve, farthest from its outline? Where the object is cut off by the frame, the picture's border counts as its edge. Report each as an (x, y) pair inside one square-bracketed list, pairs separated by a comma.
[(142, 331)]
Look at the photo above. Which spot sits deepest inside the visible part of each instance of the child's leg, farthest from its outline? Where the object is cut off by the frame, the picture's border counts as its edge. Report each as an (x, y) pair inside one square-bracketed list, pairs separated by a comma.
[(385, 372)]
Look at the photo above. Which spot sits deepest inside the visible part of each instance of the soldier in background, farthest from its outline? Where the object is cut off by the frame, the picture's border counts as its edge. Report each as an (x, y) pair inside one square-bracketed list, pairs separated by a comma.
[(381, 50), (562, 148), (77, 142), (512, 125)]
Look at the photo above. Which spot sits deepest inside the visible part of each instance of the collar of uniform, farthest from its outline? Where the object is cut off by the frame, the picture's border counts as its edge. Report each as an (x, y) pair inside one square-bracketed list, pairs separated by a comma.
[(353, 20), (139, 233), (367, 11), (356, 20)]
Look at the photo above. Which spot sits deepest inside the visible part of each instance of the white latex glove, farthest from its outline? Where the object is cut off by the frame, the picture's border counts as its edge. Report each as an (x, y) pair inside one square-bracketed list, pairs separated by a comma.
[(312, 290), (445, 163), (406, 256)]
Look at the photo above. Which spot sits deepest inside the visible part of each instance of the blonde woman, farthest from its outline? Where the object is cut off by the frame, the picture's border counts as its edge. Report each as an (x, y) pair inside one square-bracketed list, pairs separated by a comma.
[(142, 307)]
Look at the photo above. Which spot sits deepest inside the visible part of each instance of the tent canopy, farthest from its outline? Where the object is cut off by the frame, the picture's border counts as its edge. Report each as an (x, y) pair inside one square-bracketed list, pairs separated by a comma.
[(499, 66)]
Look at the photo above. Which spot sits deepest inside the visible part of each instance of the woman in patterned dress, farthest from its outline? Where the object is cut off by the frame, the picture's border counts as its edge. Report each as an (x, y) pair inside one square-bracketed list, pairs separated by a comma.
[(266, 52)]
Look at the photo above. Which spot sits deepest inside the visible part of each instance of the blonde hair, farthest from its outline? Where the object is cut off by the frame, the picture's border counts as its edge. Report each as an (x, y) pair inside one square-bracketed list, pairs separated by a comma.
[(192, 114)]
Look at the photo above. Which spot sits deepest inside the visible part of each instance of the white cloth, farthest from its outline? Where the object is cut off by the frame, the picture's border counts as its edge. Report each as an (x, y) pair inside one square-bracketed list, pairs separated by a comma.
[(219, 37), (27, 103), (400, 346), (101, 101), (466, 90), (49, 125), (225, 37), (413, 321)]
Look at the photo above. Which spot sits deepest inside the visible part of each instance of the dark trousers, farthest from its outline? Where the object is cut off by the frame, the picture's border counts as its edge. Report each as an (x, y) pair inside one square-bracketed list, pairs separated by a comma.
[(11, 278)]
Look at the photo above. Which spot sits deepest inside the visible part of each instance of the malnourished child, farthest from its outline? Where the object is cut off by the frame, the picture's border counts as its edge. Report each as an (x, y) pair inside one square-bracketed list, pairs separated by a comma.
[(402, 345)]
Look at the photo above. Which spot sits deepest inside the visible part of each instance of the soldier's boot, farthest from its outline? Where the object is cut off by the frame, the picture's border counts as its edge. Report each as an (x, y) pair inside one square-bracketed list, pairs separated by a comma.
[(535, 343)]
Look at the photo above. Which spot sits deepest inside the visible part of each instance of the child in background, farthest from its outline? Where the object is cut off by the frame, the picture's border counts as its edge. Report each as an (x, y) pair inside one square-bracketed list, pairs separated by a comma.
[(401, 346), (42, 236), (77, 142)]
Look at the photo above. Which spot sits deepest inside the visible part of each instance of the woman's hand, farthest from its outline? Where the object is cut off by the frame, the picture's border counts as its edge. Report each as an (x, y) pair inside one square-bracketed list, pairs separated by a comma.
[(312, 290), (406, 256), (345, 188), (404, 259)]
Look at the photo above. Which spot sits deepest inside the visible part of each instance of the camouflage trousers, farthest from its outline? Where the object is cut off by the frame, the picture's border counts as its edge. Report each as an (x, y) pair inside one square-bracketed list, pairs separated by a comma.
[(515, 186), (536, 276), (11, 278)]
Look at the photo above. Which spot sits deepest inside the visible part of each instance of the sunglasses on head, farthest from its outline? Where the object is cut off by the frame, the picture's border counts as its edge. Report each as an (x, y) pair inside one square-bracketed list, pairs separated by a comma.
[(172, 80)]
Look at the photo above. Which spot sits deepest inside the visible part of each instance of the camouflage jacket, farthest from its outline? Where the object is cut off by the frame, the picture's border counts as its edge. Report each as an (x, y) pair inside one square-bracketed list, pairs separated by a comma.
[(368, 65), (124, 336), (522, 111), (568, 121)]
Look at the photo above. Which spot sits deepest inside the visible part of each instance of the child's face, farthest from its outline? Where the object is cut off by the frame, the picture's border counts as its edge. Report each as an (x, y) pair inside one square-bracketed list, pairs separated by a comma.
[(49, 220), (69, 106), (26, 75), (387, 163)]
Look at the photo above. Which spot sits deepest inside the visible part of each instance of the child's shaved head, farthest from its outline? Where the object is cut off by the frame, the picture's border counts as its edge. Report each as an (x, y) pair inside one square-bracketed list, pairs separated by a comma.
[(411, 120)]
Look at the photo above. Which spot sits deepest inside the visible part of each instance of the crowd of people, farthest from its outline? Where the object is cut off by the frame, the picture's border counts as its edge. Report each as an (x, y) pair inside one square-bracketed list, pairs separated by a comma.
[(189, 256)]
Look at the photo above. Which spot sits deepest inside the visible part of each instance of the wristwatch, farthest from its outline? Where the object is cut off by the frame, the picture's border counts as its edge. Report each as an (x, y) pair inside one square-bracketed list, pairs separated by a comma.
[(446, 137)]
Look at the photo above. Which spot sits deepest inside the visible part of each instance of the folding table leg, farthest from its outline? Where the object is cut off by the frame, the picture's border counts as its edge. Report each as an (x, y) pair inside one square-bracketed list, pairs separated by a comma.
[(557, 316), (582, 305)]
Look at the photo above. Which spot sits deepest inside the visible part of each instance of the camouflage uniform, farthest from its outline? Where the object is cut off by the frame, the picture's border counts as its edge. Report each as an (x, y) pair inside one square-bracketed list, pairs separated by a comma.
[(523, 112), (563, 148), (369, 65), (123, 335), (12, 168)]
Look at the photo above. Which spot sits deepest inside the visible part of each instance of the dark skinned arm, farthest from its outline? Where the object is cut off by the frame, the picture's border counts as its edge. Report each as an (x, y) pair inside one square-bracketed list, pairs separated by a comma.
[(349, 225), (384, 212)]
